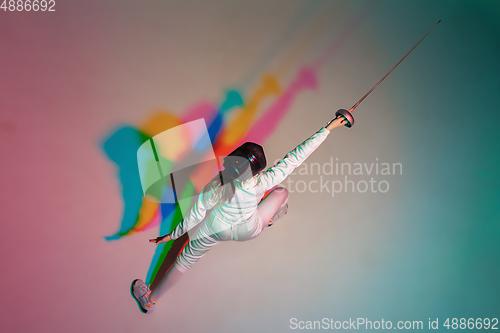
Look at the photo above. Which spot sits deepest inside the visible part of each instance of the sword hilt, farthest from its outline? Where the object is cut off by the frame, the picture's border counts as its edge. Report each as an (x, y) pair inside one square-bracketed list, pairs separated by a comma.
[(347, 117)]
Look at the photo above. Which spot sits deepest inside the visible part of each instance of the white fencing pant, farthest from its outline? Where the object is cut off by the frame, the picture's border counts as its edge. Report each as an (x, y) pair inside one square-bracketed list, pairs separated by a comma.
[(271, 208)]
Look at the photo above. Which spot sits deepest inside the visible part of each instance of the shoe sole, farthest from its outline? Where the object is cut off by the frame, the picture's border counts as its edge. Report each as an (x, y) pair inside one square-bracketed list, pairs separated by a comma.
[(137, 301), (274, 220)]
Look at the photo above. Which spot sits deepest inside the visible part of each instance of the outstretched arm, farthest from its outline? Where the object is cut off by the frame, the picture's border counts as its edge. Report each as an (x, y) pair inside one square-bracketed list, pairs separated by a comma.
[(276, 174)]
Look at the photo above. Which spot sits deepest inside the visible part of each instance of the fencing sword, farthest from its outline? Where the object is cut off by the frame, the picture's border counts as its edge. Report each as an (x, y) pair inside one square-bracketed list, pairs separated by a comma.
[(347, 115)]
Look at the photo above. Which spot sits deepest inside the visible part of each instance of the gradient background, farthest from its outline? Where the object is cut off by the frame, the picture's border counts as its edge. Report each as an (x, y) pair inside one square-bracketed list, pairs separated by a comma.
[(428, 248)]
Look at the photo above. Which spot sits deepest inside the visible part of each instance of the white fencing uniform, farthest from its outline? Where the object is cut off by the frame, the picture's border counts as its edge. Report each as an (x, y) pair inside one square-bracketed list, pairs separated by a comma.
[(244, 217)]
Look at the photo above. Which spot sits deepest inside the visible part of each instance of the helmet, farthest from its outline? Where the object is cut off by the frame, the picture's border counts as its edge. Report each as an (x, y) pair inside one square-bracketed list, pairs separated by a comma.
[(245, 161)]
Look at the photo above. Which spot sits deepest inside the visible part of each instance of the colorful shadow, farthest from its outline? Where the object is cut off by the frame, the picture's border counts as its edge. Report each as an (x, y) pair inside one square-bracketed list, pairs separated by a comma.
[(141, 214)]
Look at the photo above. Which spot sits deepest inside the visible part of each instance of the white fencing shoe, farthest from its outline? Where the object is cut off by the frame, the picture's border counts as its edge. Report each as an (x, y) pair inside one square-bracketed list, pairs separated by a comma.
[(140, 291), (280, 213)]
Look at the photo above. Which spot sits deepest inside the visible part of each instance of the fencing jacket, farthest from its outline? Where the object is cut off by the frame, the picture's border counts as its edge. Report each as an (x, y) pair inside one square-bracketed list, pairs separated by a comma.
[(241, 211)]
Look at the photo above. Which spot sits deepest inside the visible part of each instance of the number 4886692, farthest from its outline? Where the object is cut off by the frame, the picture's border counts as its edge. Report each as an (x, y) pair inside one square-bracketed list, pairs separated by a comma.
[(28, 5)]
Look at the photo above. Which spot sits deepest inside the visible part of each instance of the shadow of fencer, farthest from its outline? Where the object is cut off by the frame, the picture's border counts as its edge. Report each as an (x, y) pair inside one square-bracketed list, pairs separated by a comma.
[(121, 148)]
